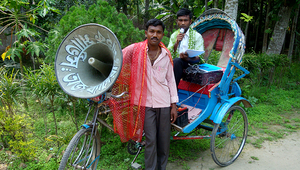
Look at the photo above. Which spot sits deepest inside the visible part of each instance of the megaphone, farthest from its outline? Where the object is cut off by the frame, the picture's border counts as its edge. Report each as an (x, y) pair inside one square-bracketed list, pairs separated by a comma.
[(88, 61)]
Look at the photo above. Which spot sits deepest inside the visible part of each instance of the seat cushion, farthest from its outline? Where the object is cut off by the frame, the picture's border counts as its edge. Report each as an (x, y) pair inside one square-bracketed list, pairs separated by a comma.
[(188, 86)]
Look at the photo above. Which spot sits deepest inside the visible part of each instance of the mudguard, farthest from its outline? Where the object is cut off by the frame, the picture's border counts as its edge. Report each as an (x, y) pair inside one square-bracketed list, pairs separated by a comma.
[(220, 111)]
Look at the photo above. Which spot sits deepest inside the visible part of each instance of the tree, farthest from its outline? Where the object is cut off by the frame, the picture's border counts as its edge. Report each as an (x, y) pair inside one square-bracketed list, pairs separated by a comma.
[(216, 3), (170, 8), (20, 16), (266, 30), (258, 26), (146, 16), (247, 25), (231, 8), (101, 13), (279, 32), (292, 40)]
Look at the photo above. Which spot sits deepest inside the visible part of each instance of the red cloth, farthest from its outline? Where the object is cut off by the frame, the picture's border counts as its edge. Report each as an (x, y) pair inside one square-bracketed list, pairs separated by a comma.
[(192, 87)]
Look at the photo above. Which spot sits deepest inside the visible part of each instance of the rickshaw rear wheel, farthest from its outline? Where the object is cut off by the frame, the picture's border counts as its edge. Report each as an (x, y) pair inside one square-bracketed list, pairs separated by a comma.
[(229, 137), (82, 152)]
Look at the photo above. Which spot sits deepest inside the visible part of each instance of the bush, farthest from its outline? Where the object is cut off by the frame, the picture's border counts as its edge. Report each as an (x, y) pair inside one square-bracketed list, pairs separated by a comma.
[(263, 68), (16, 130), (100, 13)]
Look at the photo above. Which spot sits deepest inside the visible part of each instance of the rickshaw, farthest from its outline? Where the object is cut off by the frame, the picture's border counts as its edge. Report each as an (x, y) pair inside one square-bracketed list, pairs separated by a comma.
[(209, 95)]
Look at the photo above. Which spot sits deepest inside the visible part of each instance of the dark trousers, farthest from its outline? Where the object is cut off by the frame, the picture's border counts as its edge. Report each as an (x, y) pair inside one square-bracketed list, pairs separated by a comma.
[(157, 128), (179, 65)]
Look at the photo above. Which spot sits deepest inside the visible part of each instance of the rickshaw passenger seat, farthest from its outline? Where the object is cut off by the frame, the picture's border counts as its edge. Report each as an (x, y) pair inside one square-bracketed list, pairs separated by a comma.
[(220, 39)]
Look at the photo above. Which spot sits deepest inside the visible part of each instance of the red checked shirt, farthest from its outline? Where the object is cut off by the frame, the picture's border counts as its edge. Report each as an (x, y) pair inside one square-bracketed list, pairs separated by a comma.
[(161, 85)]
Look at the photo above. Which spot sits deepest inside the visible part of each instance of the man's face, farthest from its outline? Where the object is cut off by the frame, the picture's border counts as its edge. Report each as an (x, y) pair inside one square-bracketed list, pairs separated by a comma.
[(154, 34), (184, 22)]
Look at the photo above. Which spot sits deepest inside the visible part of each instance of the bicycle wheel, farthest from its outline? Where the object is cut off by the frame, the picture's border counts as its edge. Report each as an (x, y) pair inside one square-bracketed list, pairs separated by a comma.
[(83, 151), (229, 137), (131, 147)]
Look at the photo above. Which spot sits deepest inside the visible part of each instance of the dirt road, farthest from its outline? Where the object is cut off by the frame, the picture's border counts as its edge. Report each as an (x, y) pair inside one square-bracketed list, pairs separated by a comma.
[(283, 154)]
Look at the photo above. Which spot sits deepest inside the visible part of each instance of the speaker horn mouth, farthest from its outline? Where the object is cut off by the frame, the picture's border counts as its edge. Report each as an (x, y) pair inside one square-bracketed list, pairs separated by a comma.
[(88, 61), (102, 67)]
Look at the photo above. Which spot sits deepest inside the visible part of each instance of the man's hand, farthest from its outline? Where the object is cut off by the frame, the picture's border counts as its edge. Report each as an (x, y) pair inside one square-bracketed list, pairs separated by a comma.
[(188, 59), (173, 112), (178, 39), (184, 56)]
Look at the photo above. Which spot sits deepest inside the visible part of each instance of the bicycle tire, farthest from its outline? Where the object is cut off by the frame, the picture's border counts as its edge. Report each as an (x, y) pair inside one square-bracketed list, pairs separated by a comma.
[(81, 157), (226, 146)]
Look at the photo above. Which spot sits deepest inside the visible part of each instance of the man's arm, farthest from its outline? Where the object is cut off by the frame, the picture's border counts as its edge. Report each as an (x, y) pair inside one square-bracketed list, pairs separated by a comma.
[(186, 57), (199, 42), (173, 91), (199, 45), (172, 42)]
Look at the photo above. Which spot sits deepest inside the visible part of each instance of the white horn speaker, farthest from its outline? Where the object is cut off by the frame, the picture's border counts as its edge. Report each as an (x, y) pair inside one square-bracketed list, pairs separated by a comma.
[(88, 61)]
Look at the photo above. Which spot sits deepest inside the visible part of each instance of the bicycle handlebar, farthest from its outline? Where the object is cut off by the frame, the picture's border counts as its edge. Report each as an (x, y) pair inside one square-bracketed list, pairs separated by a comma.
[(119, 95)]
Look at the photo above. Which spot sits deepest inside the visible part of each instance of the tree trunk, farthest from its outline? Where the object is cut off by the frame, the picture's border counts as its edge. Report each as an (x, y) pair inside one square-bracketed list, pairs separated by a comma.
[(223, 5), (73, 100), (265, 40), (125, 7), (146, 16), (258, 26), (279, 32), (206, 5), (137, 12), (292, 40), (216, 3), (231, 8), (45, 117), (54, 118), (247, 25)]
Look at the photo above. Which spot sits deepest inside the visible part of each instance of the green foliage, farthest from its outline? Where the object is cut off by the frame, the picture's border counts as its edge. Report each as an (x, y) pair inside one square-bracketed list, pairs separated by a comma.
[(15, 131), (25, 45), (16, 51), (263, 68), (22, 147), (114, 152), (100, 13), (185, 150), (170, 8), (47, 81), (269, 31), (9, 89), (52, 164), (17, 14), (4, 157), (246, 18), (199, 8), (214, 57), (42, 82)]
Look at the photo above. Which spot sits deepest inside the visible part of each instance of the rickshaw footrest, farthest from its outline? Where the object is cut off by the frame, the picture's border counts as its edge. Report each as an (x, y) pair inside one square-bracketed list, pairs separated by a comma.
[(136, 166)]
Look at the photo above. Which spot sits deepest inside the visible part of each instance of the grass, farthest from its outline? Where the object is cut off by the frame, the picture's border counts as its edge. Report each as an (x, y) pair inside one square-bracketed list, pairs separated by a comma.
[(274, 117), (254, 158)]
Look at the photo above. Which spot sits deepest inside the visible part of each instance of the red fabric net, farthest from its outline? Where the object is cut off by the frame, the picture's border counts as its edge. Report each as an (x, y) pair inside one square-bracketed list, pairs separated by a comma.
[(129, 111)]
